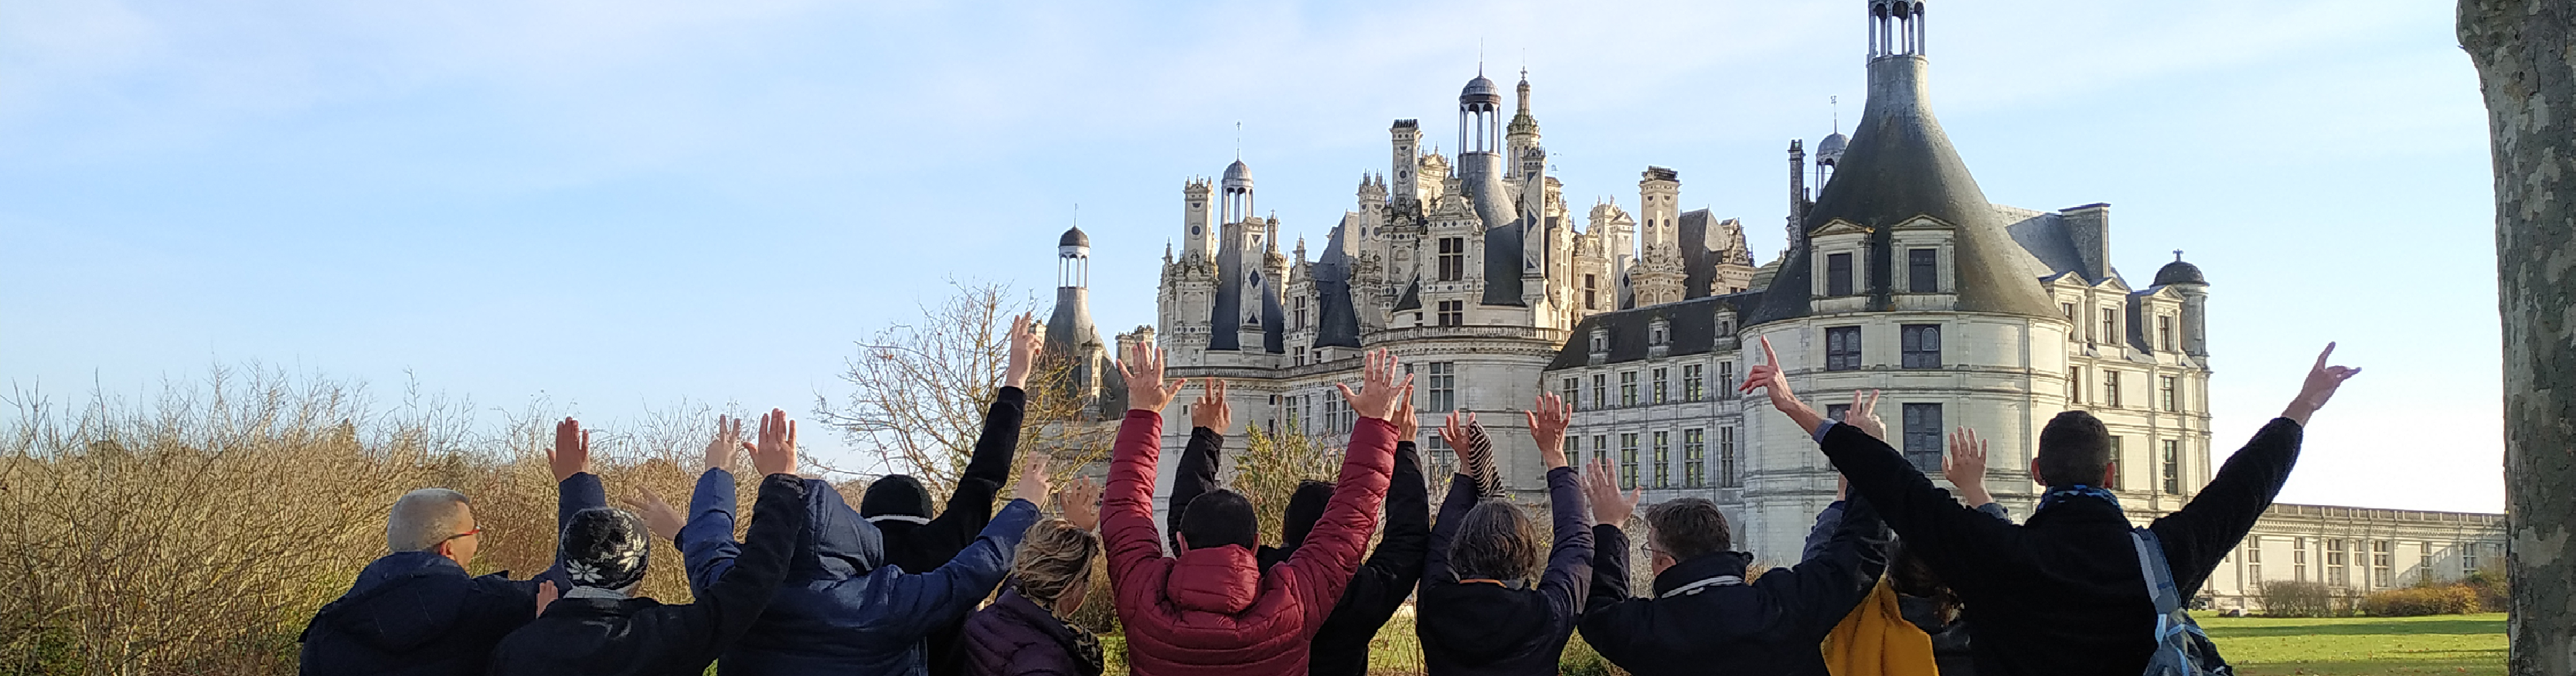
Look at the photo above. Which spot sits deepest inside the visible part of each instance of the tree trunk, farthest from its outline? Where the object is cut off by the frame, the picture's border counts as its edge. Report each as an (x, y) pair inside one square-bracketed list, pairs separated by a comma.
[(2525, 53)]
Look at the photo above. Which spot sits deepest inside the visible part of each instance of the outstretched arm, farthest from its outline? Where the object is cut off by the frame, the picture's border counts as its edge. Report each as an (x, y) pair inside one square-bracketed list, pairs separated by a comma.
[(576, 488), (2217, 519), (1768, 377), (1947, 534), (1841, 573), (1323, 566), (730, 605), (1210, 416), (1965, 467), (1127, 503), (1390, 573)]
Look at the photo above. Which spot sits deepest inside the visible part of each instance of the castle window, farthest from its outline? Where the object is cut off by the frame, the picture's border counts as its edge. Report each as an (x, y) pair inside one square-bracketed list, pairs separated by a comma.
[(1726, 380), (1591, 289), (1842, 348), (1923, 436), (1660, 382), (1600, 341), (2164, 333), (1443, 386), (1574, 451), (2299, 559), (1663, 460), (1301, 355), (2165, 391), (2335, 571), (1726, 325), (2173, 467), (1922, 346), (2382, 565), (2112, 482), (1692, 383), (1694, 458), (1300, 322), (1600, 391), (2069, 309), (1453, 313), (2110, 388), (2111, 325), (1627, 388), (2469, 557), (1726, 474), (1573, 392), (2075, 385), (1628, 460), (2254, 559), (1838, 274), (1923, 270), (1453, 259), (1657, 335)]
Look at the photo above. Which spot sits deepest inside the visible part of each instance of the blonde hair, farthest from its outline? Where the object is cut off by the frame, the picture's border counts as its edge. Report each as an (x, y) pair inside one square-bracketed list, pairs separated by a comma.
[(424, 518), (1053, 557)]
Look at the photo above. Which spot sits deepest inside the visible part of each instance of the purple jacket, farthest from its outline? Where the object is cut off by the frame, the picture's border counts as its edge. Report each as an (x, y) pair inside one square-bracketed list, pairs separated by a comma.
[(1015, 637)]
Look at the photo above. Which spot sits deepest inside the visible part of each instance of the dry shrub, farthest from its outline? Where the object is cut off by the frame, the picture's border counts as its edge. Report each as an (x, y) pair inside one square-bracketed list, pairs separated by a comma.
[(199, 530), (2449, 599)]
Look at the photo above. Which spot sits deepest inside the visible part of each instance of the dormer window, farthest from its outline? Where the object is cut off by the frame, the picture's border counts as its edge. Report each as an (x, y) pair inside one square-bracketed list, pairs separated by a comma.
[(1600, 340), (1923, 270), (1725, 325), (1659, 333), (1838, 274)]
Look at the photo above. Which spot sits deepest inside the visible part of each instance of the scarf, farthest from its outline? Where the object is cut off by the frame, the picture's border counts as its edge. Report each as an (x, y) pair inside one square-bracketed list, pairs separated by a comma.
[(2073, 492), (1875, 640)]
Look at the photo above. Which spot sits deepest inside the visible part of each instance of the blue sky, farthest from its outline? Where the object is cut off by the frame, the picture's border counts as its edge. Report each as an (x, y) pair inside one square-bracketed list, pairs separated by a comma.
[(621, 205)]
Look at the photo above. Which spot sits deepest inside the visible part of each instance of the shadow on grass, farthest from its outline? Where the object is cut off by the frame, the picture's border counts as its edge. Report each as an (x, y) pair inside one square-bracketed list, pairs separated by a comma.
[(2324, 628), (2456, 663)]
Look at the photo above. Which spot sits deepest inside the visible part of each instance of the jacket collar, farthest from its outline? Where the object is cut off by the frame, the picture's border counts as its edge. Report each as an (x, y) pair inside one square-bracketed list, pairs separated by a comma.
[(1705, 568), (1214, 579), (2076, 507)]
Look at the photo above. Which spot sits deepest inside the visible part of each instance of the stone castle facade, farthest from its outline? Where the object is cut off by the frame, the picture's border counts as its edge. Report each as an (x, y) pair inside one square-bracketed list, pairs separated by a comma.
[(1899, 277)]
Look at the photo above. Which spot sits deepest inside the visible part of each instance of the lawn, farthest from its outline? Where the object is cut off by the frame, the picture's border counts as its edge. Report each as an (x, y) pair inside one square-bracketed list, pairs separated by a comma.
[(2356, 646)]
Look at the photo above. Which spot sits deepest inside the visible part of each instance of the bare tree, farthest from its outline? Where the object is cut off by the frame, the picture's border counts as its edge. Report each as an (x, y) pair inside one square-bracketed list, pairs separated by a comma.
[(919, 390), (2525, 53), (1272, 466)]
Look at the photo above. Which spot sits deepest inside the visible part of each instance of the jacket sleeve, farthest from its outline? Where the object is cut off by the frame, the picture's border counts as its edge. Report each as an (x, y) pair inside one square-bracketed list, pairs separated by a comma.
[(1195, 475), (730, 605), (1823, 532), (1954, 538), (1387, 578), (1435, 561), (1612, 621), (971, 505), (1127, 506), (1828, 584), (2216, 519), (1569, 563), (936, 598), (1996, 510), (1322, 567), (575, 493), (706, 541)]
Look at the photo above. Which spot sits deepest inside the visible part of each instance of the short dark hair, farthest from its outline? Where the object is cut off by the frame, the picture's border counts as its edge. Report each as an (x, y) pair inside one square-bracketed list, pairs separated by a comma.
[(2075, 448), (1687, 528), (1495, 541), (1218, 518), (1305, 507)]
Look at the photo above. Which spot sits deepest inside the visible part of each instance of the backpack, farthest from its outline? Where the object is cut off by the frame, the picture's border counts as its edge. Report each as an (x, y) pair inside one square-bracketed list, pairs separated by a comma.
[(2181, 648)]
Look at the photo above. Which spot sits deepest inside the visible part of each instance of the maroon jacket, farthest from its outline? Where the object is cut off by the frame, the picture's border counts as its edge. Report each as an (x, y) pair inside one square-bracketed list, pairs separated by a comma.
[(1015, 637), (1213, 611)]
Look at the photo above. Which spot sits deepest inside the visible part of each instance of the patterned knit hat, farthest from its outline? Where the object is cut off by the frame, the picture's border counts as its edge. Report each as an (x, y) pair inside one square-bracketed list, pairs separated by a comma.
[(1480, 463), (605, 547)]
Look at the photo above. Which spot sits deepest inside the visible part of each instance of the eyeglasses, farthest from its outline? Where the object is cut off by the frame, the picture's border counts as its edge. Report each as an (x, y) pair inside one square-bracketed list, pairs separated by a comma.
[(478, 530)]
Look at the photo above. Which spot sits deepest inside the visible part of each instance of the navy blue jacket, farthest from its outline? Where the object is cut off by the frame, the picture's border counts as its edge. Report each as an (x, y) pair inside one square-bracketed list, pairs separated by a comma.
[(1491, 630), (418, 613), (1701, 622), (844, 609)]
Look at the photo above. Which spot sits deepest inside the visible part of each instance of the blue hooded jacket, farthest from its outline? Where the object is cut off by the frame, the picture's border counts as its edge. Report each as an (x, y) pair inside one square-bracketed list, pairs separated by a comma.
[(843, 609)]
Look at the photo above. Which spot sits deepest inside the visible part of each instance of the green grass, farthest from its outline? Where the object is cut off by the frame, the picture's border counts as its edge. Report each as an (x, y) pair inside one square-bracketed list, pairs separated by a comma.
[(2359, 646)]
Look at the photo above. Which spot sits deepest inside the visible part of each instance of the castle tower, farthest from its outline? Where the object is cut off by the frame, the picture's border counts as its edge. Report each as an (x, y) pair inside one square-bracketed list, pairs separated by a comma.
[(2186, 278), (1069, 332), (1406, 138), (1480, 174), (1238, 193), (1198, 221), (1798, 197), (1660, 272), (1523, 135)]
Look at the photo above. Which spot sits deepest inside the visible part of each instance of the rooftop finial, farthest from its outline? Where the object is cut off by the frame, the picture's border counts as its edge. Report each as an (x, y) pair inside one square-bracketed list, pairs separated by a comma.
[(2177, 255), (1835, 101), (1238, 140)]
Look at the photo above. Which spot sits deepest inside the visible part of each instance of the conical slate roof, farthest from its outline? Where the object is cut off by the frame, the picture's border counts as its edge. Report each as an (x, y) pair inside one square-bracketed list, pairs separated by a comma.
[(1899, 166)]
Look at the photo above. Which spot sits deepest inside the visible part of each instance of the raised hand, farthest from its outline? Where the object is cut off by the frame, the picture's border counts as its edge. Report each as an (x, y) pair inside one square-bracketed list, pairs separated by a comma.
[(1454, 433), (546, 595), (1965, 466), (658, 515), (1547, 423), (1211, 410), (776, 452), (1601, 491), (2320, 386), (728, 439), (1406, 424), (1146, 390), (1081, 503), (1025, 346), (571, 453), (1768, 377), (1863, 414), (1033, 481), (1379, 389)]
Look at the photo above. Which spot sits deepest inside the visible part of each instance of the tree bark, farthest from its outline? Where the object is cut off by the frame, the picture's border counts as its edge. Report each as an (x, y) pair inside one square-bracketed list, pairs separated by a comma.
[(2525, 54)]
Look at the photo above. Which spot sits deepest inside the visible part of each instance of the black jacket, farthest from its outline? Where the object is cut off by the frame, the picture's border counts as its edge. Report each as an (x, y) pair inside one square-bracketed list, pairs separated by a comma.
[(1699, 622), (1491, 630), (589, 636), (919, 547), (2061, 593), (1377, 589), (418, 613), (1950, 636)]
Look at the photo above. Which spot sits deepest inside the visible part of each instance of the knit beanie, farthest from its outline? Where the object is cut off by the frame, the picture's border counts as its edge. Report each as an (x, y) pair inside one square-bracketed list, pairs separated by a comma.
[(606, 548), (895, 495)]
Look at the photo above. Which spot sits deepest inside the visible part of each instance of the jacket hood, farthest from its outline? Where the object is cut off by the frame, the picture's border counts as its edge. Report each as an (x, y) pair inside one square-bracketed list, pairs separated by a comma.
[(1506, 622), (1214, 579), (402, 601), (1702, 567), (895, 495), (837, 544), (1305, 507)]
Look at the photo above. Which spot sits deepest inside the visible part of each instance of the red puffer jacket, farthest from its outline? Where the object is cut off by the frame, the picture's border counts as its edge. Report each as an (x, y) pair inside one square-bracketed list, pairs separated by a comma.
[(1212, 611)]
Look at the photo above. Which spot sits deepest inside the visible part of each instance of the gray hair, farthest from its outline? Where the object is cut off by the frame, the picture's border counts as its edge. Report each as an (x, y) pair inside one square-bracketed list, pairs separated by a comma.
[(424, 518)]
